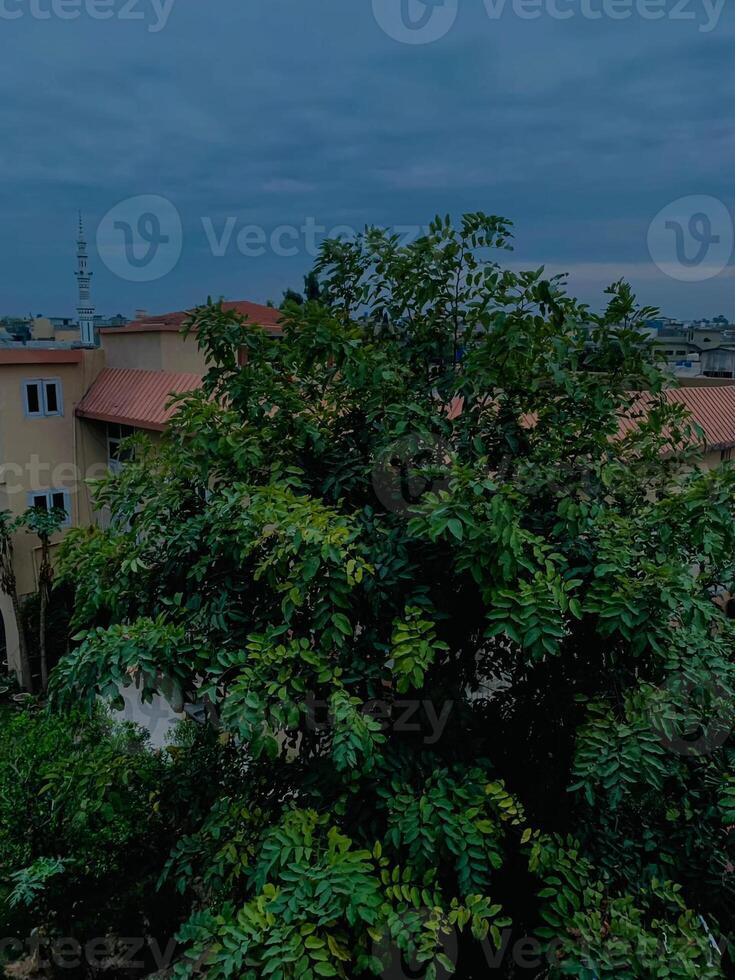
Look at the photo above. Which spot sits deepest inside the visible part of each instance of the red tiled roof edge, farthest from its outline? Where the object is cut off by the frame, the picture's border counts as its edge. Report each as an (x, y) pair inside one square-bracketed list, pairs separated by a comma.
[(266, 316), (135, 397)]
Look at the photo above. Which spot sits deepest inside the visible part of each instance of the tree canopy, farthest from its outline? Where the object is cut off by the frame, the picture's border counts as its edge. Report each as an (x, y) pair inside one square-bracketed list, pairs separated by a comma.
[(456, 623)]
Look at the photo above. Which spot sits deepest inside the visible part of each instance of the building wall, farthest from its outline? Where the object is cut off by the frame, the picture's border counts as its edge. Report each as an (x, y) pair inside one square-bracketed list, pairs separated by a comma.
[(42, 328), (11, 631), (63, 452), (181, 354), (152, 350), (717, 457), (719, 361), (39, 454)]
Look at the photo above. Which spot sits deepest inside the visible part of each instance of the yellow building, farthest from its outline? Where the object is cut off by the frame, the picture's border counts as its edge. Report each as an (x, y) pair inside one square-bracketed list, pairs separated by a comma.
[(64, 411)]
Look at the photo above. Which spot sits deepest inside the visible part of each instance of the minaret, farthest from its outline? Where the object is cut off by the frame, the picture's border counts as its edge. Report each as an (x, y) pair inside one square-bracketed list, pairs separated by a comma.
[(85, 310)]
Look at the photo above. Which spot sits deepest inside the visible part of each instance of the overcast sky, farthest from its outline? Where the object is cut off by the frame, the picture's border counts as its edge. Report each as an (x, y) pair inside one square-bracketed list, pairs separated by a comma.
[(240, 117)]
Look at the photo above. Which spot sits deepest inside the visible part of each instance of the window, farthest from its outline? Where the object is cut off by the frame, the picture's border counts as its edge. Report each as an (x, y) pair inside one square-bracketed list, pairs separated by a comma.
[(52, 397), (725, 455), (33, 399), (117, 454), (52, 500), (42, 397)]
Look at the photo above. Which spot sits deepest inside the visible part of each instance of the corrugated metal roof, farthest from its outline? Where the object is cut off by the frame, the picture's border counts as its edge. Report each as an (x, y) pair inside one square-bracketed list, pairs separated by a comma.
[(137, 398), (712, 408)]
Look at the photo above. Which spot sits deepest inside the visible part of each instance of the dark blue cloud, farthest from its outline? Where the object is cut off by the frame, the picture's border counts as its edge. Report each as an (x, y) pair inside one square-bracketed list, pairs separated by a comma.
[(281, 112)]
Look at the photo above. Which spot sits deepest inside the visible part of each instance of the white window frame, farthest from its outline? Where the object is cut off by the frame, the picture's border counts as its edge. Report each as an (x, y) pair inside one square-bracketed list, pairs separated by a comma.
[(48, 495), (43, 410)]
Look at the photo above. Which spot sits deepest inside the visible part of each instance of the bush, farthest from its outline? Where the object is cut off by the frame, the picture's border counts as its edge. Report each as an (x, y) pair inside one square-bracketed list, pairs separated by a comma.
[(87, 816)]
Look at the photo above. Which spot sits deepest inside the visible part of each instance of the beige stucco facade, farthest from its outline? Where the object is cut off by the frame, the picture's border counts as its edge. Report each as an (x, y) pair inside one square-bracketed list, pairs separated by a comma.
[(59, 453), (40, 454), (154, 350)]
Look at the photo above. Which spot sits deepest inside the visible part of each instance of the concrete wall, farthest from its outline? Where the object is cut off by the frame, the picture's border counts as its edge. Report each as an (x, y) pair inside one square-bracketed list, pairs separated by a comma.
[(152, 350), (713, 459), (39, 454), (182, 355), (42, 328), (11, 632)]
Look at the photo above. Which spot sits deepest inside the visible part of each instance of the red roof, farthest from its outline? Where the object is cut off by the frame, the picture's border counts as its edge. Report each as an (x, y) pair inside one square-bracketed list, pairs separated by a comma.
[(711, 407), (137, 398), (266, 316)]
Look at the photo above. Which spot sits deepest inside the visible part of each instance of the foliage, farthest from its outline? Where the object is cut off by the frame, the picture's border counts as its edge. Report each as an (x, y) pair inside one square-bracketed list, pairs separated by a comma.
[(9, 585), (44, 523), (60, 610), (72, 795), (453, 620), (313, 292), (87, 812)]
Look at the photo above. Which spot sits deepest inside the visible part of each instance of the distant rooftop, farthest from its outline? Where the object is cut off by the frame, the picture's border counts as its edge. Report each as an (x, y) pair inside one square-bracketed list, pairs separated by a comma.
[(712, 407), (266, 316), (41, 353)]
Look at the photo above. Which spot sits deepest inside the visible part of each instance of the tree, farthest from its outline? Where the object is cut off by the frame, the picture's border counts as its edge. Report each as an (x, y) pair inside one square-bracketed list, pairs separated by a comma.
[(9, 585), (45, 523), (86, 813), (455, 618), (291, 296), (313, 293)]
